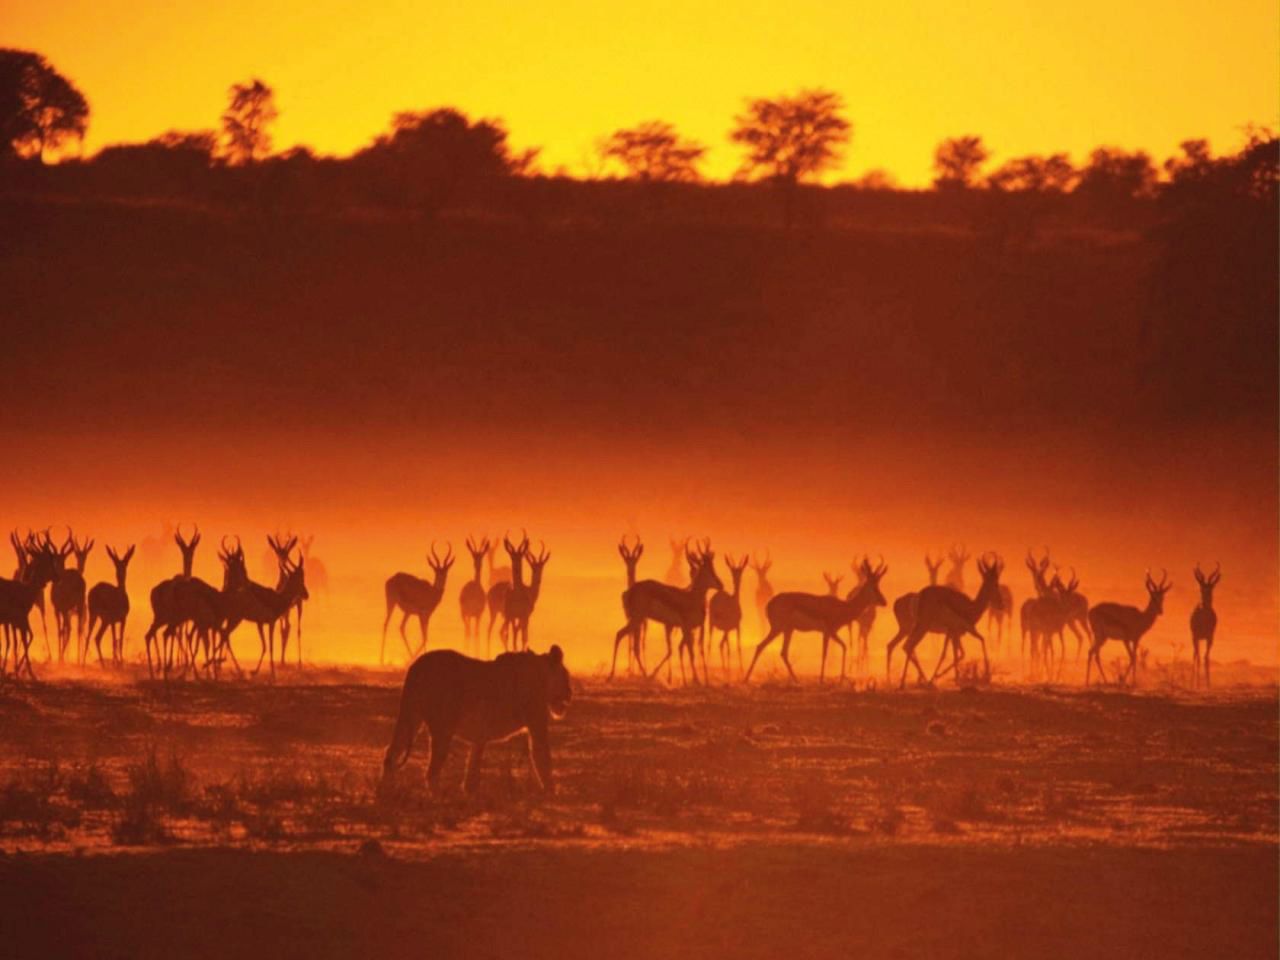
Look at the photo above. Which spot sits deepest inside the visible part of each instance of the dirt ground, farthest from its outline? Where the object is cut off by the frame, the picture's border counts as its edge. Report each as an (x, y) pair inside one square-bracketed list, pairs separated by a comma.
[(246, 819)]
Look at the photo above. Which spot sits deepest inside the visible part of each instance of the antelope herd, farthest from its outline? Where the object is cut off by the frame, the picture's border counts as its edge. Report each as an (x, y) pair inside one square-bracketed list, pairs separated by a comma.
[(192, 621)]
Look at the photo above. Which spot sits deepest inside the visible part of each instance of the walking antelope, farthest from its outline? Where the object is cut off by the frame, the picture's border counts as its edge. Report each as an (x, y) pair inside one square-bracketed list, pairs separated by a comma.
[(631, 560), (904, 611), (764, 589), (43, 562), (109, 607), (17, 597), (68, 594), (471, 598), (521, 601), (172, 609), (1075, 608), (951, 613), (725, 613), (283, 552), (416, 598), (1204, 620), (1128, 624), (815, 613), (1044, 616), (673, 607), (508, 577)]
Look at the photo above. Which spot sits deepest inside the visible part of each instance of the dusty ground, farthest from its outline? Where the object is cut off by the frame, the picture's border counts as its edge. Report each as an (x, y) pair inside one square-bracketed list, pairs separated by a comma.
[(244, 819)]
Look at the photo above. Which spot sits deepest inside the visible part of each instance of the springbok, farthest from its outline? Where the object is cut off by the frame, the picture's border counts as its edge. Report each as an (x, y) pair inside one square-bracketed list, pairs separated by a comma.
[(17, 597), (43, 564), (471, 599), (904, 611), (109, 607), (725, 613), (263, 606), (171, 608), (416, 598), (951, 613), (673, 607), (866, 622), (764, 589), (283, 551), (1204, 620), (816, 613), (1075, 608), (507, 577), (955, 574), (1128, 624), (1044, 616), (317, 572), (67, 593), (631, 560), (521, 601)]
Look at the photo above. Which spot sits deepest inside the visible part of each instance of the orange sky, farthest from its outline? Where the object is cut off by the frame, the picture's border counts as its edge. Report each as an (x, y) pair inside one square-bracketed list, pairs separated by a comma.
[(1028, 77)]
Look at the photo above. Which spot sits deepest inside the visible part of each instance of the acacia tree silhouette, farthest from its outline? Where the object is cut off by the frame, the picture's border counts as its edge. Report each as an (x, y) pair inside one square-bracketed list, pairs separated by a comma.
[(654, 152), (251, 109), (40, 109), (957, 161), (1113, 176), (789, 139), (1034, 174)]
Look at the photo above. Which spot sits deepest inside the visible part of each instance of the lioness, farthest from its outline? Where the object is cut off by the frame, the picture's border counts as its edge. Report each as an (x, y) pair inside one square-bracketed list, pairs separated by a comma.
[(480, 701)]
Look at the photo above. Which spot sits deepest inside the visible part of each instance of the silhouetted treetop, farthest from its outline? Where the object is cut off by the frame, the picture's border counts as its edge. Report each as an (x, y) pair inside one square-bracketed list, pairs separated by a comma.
[(40, 109), (251, 109), (956, 162), (654, 152), (1113, 174), (1035, 174), (790, 139)]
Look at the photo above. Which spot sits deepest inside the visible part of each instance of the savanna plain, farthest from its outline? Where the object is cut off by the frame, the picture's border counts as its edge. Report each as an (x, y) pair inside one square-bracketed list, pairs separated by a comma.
[(139, 818)]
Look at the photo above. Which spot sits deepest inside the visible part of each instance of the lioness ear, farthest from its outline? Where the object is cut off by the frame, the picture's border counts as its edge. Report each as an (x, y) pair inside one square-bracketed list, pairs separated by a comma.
[(556, 655)]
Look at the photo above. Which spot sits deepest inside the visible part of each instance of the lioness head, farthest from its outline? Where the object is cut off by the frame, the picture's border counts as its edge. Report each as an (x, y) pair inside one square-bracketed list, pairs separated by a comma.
[(558, 687)]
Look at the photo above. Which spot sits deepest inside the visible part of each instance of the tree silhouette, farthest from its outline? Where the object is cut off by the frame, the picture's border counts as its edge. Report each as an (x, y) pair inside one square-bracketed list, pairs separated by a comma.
[(251, 109), (1112, 175), (1034, 174), (789, 139), (653, 152), (432, 157), (957, 161), (174, 163), (40, 109)]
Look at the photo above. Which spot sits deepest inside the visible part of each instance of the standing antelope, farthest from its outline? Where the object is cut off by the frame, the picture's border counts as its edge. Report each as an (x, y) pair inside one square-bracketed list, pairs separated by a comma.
[(68, 593), (951, 613), (1075, 608), (471, 599), (170, 609), (815, 613), (506, 578), (673, 607), (417, 598), (955, 575), (764, 589), (1044, 616), (109, 607), (521, 600), (833, 590), (866, 621), (43, 564), (904, 611), (725, 613), (631, 560), (1204, 620), (263, 606), (283, 551), (17, 597), (1128, 624)]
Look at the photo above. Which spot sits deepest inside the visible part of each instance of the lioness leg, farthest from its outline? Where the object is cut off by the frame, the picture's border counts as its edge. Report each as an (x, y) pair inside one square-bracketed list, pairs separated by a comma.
[(540, 754), (441, 737), (473, 768)]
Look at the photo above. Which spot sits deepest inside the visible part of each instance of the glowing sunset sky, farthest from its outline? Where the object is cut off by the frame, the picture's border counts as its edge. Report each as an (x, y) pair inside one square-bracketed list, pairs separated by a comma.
[(1027, 77)]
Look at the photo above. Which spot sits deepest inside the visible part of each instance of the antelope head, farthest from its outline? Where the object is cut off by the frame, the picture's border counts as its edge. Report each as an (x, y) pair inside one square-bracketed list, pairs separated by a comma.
[(1208, 583), (702, 567), (870, 578), (630, 555), (833, 582), (762, 567), (1156, 591), (121, 563), (933, 566), (440, 564)]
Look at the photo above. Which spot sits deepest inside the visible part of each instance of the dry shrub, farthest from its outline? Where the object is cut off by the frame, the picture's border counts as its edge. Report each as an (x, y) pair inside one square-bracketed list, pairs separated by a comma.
[(88, 786), (28, 804)]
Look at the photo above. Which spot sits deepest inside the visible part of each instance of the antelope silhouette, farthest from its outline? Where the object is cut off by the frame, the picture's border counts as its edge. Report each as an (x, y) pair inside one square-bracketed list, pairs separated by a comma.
[(109, 607), (521, 601), (1128, 624), (682, 608), (675, 575), (507, 577), (951, 613), (17, 597), (955, 574), (471, 599), (904, 611), (263, 606), (631, 560), (68, 593), (172, 608), (764, 589), (1204, 621), (317, 572), (789, 613), (417, 598), (283, 551), (725, 613)]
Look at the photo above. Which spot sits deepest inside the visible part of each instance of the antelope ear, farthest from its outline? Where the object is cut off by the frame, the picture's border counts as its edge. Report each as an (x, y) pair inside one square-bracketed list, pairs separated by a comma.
[(556, 655)]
